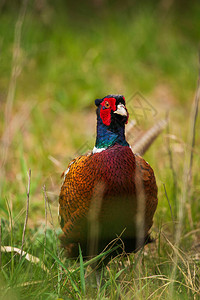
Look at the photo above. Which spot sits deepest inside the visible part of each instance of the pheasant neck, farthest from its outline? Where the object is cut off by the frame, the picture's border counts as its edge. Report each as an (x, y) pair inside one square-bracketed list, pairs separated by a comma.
[(108, 136)]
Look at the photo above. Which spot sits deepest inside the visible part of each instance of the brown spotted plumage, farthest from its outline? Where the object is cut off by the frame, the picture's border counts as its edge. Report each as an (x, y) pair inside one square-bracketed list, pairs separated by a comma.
[(110, 192)]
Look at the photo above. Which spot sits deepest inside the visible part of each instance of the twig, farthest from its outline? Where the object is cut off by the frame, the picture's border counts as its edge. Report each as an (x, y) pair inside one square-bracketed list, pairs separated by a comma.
[(27, 256), (16, 59), (27, 209), (193, 125), (171, 165)]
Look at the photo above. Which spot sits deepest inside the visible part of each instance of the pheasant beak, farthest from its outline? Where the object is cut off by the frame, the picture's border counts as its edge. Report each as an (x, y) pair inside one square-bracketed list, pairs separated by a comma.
[(121, 110)]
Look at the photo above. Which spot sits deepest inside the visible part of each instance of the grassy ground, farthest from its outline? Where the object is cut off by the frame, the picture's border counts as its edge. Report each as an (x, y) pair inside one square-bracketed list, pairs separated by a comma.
[(55, 60)]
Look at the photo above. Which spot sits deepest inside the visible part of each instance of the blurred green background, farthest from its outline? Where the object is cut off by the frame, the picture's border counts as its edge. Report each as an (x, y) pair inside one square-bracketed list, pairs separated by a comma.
[(74, 52)]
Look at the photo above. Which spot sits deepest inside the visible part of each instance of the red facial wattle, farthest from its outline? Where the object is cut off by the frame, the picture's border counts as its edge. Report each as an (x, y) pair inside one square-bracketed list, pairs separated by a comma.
[(105, 113)]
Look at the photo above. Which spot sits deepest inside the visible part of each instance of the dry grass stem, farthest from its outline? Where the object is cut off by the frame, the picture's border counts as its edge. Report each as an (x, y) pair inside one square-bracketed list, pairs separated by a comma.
[(27, 210), (184, 196), (187, 175), (29, 257), (55, 162), (16, 67), (193, 124), (25, 284), (164, 286), (171, 162)]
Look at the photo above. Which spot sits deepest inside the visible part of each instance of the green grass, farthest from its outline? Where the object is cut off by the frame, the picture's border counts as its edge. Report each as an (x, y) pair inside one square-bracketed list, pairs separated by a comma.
[(69, 56)]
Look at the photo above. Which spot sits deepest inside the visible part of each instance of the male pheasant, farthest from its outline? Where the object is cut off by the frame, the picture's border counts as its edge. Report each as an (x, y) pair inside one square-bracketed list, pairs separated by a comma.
[(110, 192)]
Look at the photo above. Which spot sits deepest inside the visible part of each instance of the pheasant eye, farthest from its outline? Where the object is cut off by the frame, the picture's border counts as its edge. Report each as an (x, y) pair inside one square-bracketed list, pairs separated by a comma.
[(107, 104)]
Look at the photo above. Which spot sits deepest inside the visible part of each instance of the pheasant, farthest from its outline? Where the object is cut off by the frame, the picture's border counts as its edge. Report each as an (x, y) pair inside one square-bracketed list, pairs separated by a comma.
[(110, 192)]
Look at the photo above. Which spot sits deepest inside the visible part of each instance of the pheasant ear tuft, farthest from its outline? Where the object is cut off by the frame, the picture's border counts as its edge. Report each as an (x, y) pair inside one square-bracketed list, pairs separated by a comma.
[(98, 102)]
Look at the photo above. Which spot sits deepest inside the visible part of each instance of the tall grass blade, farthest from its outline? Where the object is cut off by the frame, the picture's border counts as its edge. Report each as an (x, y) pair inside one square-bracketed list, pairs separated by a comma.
[(82, 273), (99, 257), (27, 210), (70, 274)]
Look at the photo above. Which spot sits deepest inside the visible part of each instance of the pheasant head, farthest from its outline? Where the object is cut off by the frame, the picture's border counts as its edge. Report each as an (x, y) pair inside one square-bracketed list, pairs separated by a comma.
[(112, 115)]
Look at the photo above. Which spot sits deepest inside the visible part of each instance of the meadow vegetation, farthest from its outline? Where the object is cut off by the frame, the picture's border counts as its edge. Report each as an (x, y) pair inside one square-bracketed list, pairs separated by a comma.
[(55, 60)]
